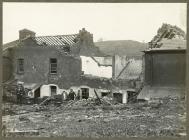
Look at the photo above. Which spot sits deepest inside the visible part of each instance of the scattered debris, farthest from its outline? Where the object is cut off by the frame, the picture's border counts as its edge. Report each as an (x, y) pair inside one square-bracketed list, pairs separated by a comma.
[(23, 133), (23, 118), (89, 118)]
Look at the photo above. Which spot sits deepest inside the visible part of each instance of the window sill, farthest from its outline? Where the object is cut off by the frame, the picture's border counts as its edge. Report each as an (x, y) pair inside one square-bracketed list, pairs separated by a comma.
[(53, 74)]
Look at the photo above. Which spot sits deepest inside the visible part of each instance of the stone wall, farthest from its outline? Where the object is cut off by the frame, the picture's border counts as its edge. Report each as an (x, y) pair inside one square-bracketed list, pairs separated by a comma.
[(85, 45), (7, 69), (90, 66), (125, 67), (25, 33), (37, 65), (165, 68)]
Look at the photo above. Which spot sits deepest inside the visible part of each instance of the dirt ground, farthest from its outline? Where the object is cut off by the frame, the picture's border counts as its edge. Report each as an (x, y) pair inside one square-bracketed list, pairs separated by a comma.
[(164, 117)]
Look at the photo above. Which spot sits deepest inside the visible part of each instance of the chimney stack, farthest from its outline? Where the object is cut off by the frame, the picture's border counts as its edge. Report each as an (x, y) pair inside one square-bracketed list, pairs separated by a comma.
[(86, 37), (25, 33)]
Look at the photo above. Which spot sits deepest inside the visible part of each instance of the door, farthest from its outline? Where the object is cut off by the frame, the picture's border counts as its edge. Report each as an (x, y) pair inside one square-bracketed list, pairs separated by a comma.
[(53, 90), (118, 97), (37, 93), (85, 93)]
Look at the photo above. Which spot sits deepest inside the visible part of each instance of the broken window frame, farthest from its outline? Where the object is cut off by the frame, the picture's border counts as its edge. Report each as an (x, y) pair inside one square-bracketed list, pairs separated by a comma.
[(20, 65), (53, 66)]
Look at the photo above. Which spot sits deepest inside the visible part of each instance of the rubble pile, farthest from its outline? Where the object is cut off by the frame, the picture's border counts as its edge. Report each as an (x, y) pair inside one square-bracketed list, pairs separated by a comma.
[(14, 109), (163, 117), (91, 103), (85, 102)]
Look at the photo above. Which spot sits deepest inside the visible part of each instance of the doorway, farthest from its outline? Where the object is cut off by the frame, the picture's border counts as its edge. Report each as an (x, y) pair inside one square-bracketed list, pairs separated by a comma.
[(105, 94), (131, 96), (85, 93), (118, 97), (53, 90), (37, 93)]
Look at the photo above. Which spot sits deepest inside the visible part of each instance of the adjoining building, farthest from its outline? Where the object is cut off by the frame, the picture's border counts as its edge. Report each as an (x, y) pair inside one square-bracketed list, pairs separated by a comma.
[(165, 64), (165, 70)]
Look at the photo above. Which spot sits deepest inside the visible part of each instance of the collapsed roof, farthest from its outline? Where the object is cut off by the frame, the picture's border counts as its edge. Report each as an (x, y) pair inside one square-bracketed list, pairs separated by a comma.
[(168, 37)]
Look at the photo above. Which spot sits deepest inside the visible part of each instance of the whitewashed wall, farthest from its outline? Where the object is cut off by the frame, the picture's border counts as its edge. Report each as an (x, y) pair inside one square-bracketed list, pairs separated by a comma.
[(89, 66), (91, 90), (124, 94), (45, 90)]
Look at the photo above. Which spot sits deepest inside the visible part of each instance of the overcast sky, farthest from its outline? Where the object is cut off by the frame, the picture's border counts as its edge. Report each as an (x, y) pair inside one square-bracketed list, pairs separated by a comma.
[(110, 21)]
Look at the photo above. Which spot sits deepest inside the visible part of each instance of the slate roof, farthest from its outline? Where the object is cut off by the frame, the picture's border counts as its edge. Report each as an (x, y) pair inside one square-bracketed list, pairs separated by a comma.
[(56, 40)]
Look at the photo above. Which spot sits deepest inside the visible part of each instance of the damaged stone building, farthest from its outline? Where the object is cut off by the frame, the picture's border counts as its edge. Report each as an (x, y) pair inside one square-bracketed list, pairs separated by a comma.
[(44, 60), (165, 64), (49, 65)]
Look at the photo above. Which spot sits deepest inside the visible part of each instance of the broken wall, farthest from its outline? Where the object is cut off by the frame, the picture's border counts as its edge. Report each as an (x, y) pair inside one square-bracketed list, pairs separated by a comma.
[(89, 66), (125, 67), (85, 45)]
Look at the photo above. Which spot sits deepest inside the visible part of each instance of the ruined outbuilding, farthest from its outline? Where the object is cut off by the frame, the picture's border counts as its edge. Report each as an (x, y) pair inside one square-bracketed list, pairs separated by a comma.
[(49, 65), (165, 64)]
